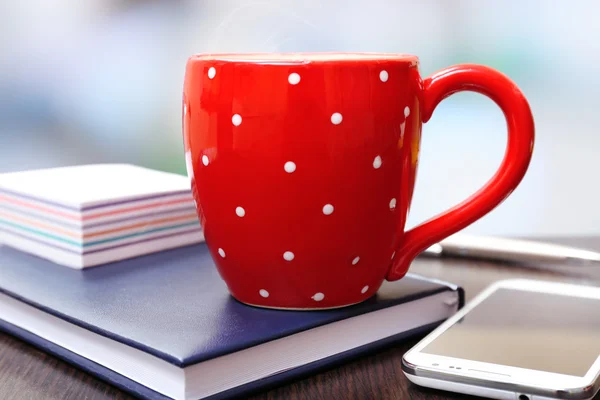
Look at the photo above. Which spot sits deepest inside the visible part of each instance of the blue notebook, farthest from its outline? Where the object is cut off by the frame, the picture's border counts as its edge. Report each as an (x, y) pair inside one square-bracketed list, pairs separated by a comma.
[(164, 325)]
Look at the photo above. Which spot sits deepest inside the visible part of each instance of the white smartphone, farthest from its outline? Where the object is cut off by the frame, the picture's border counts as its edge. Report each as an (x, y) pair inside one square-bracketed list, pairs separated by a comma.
[(518, 340)]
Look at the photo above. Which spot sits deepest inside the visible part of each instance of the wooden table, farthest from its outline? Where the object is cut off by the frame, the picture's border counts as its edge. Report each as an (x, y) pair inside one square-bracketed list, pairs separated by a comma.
[(26, 373)]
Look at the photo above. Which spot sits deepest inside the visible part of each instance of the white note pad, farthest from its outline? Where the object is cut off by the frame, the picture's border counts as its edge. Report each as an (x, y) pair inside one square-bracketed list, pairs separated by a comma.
[(85, 186), (87, 215)]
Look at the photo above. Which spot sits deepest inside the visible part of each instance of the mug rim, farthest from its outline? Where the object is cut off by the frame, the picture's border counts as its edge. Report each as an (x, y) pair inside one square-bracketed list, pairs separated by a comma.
[(305, 57)]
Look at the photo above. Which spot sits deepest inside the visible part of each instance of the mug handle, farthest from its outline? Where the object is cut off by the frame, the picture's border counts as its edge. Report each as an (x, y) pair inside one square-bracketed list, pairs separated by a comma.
[(505, 93)]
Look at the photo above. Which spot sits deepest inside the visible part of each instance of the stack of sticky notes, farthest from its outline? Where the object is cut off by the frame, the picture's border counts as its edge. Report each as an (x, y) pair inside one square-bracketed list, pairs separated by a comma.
[(88, 215)]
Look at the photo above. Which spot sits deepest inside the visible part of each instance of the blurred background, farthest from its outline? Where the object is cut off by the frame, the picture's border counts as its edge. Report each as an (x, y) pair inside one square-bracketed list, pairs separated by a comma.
[(101, 80)]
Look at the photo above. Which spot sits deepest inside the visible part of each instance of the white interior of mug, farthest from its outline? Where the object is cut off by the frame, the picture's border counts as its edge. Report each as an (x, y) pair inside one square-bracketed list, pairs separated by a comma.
[(305, 57)]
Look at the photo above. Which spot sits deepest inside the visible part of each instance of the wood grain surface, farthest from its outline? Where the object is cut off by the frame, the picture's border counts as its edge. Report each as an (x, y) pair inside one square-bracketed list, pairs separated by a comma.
[(27, 373)]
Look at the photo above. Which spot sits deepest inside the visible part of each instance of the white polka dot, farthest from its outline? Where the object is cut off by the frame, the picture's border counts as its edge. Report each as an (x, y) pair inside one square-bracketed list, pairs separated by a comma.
[(240, 211), (406, 111), (318, 296), (392, 204), (294, 78), (327, 209), (383, 75), (377, 162), (364, 290), (263, 293), (393, 254), (205, 160), (336, 118), (356, 260), (212, 72), (289, 167), (288, 256), (236, 119), (222, 252)]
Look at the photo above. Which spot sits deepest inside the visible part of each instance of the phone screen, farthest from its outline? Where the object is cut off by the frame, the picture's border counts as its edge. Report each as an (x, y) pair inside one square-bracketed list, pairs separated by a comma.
[(539, 331)]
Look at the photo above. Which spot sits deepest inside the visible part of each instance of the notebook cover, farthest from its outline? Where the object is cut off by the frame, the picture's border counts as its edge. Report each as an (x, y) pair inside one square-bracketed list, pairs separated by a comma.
[(242, 391), (173, 304)]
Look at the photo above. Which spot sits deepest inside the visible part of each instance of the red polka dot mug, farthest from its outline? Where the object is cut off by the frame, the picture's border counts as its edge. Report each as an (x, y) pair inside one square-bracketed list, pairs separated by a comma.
[(303, 168)]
